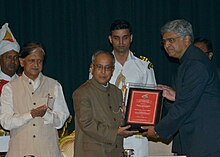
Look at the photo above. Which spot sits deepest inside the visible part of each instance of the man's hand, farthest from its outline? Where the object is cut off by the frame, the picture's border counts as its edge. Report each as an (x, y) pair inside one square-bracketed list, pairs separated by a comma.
[(122, 131), (39, 111), (168, 92), (149, 132)]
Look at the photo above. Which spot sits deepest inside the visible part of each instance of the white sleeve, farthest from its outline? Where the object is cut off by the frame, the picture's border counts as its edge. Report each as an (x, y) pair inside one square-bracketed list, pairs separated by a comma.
[(151, 76), (10, 120), (59, 113)]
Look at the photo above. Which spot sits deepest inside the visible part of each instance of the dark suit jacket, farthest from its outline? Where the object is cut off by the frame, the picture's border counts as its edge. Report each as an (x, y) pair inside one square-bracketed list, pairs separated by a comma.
[(97, 118), (196, 110)]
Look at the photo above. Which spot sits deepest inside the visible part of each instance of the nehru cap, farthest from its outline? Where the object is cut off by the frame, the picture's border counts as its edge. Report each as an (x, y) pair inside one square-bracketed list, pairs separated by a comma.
[(7, 40)]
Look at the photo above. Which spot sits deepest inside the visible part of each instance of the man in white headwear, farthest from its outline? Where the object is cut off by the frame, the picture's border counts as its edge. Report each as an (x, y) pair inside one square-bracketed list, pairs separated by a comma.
[(9, 49)]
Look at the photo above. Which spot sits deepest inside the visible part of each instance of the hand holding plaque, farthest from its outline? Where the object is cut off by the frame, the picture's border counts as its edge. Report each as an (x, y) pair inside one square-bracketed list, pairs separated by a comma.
[(125, 132), (143, 105)]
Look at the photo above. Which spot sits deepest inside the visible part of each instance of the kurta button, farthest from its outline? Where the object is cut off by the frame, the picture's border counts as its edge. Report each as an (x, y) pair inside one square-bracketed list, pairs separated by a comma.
[(29, 82), (114, 119), (110, 107), (108, 94), (34, 103), (33, 124), (34, 136), (32, 93)]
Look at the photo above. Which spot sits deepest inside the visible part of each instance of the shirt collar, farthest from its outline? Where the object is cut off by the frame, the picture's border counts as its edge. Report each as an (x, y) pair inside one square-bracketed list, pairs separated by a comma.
[(130, 56), (3, 76), (100, 86), (105, 85), (186, 54), (36, 82)]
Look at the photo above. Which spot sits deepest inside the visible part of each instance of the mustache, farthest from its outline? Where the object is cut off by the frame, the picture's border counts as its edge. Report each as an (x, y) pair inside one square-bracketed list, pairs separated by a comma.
[(34, 68)]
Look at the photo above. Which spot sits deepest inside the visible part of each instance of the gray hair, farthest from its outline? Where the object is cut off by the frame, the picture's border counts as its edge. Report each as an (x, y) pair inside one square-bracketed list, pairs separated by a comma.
[(30, 48), (103, 52), (181, 27)]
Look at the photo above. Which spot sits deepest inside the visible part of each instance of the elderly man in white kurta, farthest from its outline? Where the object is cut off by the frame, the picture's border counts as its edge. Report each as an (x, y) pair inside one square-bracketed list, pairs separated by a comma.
[(33, 108)]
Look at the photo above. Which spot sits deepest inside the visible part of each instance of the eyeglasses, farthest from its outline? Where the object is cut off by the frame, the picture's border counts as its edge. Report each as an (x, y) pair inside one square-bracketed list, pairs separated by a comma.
[(170, 40), (100, 67)]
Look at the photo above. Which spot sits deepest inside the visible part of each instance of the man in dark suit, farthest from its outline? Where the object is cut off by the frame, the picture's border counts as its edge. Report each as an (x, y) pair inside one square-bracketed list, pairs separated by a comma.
[(196, 109)]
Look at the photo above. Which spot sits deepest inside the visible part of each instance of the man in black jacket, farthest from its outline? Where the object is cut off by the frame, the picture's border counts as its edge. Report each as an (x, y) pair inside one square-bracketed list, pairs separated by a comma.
[(196, 108)]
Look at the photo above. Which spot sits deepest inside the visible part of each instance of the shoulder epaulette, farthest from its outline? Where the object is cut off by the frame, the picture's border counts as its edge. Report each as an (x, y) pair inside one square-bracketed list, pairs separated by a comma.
[(150, 65), (144, 58)]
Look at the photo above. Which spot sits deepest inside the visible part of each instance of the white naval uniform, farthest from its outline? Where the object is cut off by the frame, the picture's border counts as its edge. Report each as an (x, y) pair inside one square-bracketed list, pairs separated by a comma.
[(135, 70)]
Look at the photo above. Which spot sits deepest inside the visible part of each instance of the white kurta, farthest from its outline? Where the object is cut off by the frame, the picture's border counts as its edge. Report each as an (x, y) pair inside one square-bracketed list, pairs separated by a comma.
[(16, 116)]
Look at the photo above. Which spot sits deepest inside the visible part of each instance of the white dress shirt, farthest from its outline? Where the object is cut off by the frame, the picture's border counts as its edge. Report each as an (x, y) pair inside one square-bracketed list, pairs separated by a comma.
[(3, 76)]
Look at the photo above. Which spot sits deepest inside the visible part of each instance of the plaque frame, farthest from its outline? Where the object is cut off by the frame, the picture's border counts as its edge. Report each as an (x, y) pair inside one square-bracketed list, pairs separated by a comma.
[(149, 99)]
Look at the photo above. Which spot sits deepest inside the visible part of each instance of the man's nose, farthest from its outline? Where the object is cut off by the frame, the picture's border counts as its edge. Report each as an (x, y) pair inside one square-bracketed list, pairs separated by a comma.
[(103, 70), (36, 63), (121, 41)]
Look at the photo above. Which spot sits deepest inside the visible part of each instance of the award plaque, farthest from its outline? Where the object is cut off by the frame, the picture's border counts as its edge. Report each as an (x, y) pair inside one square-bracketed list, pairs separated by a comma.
[(143, 105)]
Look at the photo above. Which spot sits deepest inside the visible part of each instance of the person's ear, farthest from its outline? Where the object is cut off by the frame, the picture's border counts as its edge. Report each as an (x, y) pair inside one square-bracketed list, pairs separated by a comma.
[(91, 68), (110, 39), (21, 60), (131, 38), (187, 40), (210, 55)]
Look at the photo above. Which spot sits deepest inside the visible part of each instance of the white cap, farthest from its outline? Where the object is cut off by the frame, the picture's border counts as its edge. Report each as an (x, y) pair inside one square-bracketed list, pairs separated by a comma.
[(7, 40)]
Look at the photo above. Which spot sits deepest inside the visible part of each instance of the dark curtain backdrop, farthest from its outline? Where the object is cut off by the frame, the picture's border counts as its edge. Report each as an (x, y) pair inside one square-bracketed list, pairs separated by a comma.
[(71, 30)]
